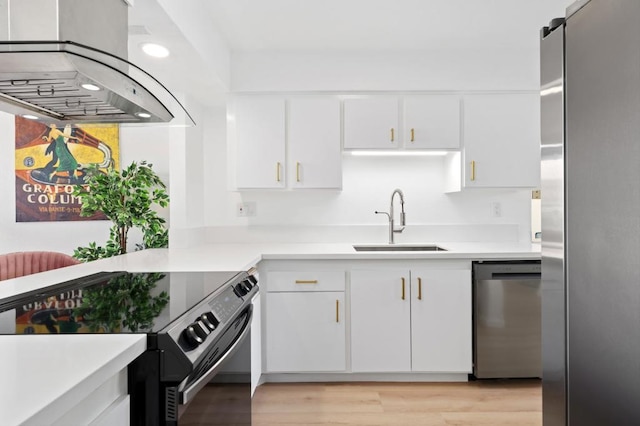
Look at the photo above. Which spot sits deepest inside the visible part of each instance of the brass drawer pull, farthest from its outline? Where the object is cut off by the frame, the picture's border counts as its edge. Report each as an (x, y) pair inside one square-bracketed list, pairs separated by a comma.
[(412, 136), (298, 172), (403, 288), (278, 171), (419, 288), (306, 281), (392, 135), (337, 311), (473, 170)]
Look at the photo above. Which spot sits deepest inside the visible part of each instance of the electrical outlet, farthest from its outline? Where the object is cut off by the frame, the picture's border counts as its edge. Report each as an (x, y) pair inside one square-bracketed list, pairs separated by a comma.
[(246, 209), (496, 209)]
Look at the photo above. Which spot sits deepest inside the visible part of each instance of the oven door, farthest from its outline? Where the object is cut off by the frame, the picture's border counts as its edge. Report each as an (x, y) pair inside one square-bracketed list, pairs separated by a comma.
[(206, 396), (221, 395)]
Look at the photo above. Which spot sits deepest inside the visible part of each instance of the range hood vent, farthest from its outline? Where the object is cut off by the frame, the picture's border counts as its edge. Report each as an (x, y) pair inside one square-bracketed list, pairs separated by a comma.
[(75, 82)]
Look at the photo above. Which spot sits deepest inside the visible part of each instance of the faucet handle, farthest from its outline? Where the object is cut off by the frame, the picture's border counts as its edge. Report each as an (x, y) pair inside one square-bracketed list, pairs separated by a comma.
[(388, 215)]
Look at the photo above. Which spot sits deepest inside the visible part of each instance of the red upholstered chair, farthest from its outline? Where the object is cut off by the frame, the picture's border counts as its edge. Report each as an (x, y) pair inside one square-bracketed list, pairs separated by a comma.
[(19, 264)]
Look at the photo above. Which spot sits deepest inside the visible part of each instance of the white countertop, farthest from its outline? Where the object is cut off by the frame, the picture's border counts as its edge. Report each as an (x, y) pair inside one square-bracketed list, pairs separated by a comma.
[(44, 376), (39, 384), (242, 256)]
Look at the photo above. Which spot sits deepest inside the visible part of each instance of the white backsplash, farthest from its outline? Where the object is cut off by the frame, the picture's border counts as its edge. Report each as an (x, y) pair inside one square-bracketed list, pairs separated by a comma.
[(363, 234)]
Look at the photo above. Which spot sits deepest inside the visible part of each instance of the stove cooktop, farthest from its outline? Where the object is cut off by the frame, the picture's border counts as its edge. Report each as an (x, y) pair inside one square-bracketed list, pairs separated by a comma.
[(110, 302)]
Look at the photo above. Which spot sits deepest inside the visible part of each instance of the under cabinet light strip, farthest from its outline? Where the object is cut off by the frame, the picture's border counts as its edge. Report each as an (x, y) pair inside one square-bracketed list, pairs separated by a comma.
[(369, 153)]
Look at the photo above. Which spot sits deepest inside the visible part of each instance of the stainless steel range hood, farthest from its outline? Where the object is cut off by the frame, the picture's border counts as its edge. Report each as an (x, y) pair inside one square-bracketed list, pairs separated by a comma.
[(65, 61)]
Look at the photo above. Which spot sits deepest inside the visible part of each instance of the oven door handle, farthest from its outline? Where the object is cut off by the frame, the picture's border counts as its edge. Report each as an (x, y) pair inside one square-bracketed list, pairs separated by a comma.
[(188, 393)]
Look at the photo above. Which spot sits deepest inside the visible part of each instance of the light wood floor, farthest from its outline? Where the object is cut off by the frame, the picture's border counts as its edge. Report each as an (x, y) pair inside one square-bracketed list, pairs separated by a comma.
[(481, 403), (490, 403)]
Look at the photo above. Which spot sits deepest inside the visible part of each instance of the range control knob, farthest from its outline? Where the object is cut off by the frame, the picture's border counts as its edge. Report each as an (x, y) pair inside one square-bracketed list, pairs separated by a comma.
[(253, 279), (209, 320), (247, 285), (191, 336), (201, 329), (239, 290)]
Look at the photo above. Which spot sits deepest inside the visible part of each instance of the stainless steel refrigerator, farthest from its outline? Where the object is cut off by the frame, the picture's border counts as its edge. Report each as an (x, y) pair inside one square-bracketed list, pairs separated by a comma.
[(590, 100)]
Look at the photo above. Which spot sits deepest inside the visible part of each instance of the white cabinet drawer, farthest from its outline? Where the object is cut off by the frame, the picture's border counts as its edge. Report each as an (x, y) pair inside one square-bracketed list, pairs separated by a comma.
[(306, 281)]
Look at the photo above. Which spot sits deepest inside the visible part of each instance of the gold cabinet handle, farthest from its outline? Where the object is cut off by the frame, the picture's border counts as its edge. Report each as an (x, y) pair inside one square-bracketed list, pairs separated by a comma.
[(412, 135), (392, 134), (473, 170), (419, 288), (337, 311), (297, 172), (403, 288), (306, 281), (278, 171)]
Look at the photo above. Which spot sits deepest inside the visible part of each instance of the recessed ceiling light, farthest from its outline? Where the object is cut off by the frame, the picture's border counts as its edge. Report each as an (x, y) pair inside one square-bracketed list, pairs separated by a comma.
[(155, 50), (143, 115), (90, 86), (30, 117)]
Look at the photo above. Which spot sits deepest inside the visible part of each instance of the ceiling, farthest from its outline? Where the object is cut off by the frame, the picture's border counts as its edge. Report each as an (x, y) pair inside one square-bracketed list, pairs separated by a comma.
[(249, 25), (326, 26)]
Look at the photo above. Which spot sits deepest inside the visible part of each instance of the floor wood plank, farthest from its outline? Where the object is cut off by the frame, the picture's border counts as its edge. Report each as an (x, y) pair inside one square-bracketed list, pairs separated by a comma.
[(495, 403)]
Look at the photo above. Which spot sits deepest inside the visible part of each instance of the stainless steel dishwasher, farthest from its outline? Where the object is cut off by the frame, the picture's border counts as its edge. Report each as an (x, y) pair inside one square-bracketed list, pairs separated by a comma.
[(507, 319)]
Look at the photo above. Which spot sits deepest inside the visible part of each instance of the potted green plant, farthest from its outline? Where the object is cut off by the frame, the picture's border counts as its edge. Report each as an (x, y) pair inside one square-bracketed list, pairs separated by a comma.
[(127, 199)]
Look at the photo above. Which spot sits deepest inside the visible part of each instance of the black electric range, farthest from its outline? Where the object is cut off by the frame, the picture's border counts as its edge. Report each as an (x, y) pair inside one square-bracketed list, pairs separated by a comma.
[(122, 302), (193, 322)]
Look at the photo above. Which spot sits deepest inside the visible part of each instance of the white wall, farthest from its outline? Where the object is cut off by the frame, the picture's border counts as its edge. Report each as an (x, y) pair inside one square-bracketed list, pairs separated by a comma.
[(369, 181), (451, 69), (187, 181), (195, 158), (367, 186)]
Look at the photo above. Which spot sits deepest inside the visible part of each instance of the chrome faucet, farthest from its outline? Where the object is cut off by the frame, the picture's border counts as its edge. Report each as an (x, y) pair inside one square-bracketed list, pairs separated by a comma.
[(392, 228)]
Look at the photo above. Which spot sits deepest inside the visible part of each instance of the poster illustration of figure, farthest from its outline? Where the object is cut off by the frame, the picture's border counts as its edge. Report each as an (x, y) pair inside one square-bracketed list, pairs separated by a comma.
[(51, 160)]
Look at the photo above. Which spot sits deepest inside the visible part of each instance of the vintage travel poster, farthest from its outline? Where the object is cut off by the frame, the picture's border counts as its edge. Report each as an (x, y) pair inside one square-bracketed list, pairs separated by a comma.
[(51, 160)]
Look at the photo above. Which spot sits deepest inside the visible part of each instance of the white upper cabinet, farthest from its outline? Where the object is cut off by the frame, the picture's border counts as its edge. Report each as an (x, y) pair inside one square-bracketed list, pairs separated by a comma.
[(429, 122), (315, 159), (265, 127), (260, 142), (432, 122), (371, 123), (501, 141), (293, 141)]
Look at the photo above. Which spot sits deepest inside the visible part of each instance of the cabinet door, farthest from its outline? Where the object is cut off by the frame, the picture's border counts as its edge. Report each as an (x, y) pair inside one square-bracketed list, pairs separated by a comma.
[(380, 315), (314, 143), (371, 123), (260, 142), (305, 332), (432, 122), (502, 140), (441, 320)]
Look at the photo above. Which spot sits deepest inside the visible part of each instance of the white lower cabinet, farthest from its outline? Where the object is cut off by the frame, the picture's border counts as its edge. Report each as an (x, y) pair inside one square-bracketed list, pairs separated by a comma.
[(416, 319), (305, 321), (441, 325), (380, 315), (306, 332), (363, 316)]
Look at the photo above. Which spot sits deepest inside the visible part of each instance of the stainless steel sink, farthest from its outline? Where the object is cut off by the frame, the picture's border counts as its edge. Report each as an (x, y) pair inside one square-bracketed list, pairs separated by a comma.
[(399, 247)]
